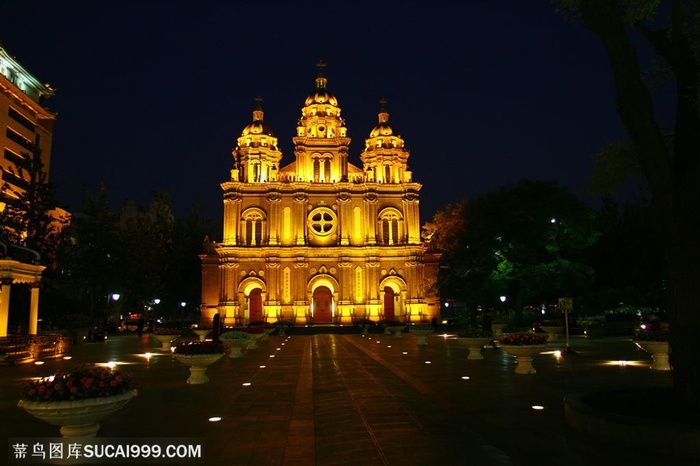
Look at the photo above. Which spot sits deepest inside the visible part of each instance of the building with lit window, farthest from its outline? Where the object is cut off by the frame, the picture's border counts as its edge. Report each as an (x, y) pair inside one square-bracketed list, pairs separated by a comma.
[(319, 239), (25, 123)]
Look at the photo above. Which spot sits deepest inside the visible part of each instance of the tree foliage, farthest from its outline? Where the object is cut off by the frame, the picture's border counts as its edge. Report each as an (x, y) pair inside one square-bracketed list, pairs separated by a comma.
[(525, 241), (30, 202)]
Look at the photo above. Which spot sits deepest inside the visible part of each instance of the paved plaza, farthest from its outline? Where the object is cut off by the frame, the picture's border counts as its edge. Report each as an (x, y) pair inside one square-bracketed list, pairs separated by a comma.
[(348, 399)]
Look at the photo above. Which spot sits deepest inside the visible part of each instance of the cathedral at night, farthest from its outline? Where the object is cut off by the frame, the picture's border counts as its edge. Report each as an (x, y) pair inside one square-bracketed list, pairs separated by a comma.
[(318, 239)]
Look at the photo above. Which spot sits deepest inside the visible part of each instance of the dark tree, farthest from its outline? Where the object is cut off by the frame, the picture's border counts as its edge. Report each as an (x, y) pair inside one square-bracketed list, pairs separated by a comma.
[(671, 30), (30, 217), (525, 241)]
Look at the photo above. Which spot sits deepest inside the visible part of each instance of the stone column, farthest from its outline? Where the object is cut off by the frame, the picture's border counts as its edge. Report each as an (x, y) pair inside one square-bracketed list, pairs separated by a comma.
[(34, 309), (5, 284)]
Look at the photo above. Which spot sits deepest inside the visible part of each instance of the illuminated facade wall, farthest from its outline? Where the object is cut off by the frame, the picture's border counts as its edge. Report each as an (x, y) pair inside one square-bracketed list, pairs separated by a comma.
[(319, 239), (23, 119)]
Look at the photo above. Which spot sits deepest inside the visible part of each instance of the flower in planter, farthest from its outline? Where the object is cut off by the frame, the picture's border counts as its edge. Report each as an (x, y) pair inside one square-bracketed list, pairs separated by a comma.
[(81, 383), (166, 331), (523, 339), (260, 323), (421, 327), (473, 332), (391, 323), (190, 348), (253, 329), (652, 335), (364, 322)]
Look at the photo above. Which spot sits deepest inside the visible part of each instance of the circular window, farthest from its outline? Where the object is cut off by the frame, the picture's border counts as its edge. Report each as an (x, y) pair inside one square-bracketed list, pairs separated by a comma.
[(322, 221)]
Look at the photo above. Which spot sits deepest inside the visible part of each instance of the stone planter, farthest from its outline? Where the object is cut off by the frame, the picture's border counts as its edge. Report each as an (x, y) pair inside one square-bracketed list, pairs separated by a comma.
[(397, 330), (658, 351), (421, 333), (267, 331), (474, 345), (165, 341), (552, 331), (237, 342), (524, 355), (201, 333), (497, 329), (80, 418), (198, 364), (254, 339)]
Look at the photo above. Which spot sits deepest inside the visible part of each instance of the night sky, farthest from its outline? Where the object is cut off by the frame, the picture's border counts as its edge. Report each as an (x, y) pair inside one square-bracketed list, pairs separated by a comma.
[(153, 94)]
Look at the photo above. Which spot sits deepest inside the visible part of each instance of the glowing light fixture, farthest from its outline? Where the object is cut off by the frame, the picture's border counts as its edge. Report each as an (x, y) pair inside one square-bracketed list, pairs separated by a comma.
[(214, 419), (465, 377), (537, 407)]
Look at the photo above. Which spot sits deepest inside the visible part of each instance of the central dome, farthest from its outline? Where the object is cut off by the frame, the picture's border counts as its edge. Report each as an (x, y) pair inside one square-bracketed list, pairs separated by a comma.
[(321, 94)]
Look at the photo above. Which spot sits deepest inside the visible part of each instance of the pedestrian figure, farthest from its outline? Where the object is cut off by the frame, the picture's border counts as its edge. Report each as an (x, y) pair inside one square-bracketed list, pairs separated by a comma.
[(139, 327)]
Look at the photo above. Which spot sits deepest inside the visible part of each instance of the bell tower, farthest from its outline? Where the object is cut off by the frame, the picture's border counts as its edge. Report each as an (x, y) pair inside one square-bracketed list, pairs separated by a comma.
[(384, 158), (256, 155), (321, 143)]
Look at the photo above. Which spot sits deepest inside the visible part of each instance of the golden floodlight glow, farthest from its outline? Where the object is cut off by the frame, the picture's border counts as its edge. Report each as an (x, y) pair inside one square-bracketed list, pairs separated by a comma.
[(263, 367), (624, 363), (427, 362), (388, 346), (214, 419), (465, 377), (537, 407), (246, 384), (272, 355), (39, 363), (405, 352), (67, 357)]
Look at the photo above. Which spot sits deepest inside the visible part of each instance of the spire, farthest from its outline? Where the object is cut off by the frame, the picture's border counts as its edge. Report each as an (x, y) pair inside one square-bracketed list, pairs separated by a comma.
[(258, 111), (321, 78), (383, 114)]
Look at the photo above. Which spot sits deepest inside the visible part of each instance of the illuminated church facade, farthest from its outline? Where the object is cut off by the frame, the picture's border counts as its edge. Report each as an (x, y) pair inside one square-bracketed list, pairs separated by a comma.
[(319, 240)]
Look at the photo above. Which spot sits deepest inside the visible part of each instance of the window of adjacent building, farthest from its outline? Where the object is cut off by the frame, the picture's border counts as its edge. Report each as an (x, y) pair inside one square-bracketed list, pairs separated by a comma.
[(12, 135), (21, 119), (13, 158)]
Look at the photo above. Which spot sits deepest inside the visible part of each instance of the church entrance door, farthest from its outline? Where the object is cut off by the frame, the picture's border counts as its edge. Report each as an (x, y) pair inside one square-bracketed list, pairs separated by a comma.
[(255, 303), (322, 305), (389, 313)]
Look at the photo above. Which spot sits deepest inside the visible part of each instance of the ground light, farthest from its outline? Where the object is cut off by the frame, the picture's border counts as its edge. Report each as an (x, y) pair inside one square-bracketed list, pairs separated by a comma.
[(214, 419), (537, 407)]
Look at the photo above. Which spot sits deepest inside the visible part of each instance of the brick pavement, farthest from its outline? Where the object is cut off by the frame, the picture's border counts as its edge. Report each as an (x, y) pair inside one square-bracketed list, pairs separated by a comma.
[(334, 399)]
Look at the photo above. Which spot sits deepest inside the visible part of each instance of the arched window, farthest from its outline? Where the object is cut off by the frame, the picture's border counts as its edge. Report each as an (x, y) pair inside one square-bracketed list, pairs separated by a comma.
[(253, 226), (391, 227)]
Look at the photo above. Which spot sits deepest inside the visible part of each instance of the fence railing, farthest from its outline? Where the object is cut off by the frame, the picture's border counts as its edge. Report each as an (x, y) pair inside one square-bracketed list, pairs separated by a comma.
[(24, 348)]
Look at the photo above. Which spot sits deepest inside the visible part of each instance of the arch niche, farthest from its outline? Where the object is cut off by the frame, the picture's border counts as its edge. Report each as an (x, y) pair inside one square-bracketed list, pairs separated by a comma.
[(322, 290), (253, 292), (392, 289)]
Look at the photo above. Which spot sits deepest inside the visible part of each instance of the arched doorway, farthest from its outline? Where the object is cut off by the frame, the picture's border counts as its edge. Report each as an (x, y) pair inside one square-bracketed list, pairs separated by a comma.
[(389, 313), (255, 305), (323, 299)]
